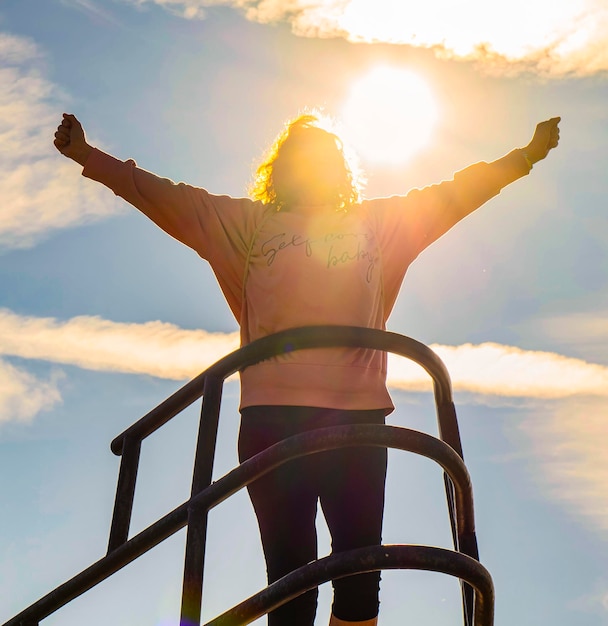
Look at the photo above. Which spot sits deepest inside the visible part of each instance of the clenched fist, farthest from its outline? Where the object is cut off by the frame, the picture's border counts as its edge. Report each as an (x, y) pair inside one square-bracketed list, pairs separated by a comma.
[(70, 139), (546, 137)]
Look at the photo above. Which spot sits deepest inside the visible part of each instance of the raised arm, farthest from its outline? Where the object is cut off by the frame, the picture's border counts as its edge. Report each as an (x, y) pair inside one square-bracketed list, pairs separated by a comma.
[(424, 215), (176, 208), (218, 228), (192, 215), (477, 183)]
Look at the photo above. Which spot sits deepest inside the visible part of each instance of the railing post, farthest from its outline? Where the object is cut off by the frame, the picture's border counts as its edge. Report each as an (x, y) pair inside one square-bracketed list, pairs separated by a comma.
[(196, 537), (448, 426), (125, 492), (449, 432)]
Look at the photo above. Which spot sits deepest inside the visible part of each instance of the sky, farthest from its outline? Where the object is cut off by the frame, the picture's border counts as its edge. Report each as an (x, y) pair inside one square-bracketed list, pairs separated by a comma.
[(102, 315)]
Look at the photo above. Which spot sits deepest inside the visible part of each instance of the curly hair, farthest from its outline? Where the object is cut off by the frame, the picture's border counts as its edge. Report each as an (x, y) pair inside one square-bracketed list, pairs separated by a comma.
[(306, 156)]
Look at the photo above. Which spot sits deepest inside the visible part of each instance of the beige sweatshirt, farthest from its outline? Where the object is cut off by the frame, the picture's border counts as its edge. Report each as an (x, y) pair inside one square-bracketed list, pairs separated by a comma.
[(308, 266)]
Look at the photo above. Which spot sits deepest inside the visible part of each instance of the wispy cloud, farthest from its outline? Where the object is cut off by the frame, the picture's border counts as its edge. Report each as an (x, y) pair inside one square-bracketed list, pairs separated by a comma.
[(167, 351), (154, 348), (495, 369), (570, 445), (40, 190), (92, 9), (553, 38), (585, 332), (595, 600), (22, 395)]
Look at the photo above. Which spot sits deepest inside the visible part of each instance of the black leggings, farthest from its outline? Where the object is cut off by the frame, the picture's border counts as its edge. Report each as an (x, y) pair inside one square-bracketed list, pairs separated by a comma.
[(348, 482)]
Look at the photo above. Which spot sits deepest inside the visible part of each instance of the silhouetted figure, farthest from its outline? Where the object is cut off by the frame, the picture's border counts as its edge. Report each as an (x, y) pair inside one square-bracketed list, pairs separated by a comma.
[(303, 250)]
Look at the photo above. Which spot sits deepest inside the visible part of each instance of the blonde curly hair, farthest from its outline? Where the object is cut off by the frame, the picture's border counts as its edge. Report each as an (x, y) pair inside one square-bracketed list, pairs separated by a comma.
[(306, 159)]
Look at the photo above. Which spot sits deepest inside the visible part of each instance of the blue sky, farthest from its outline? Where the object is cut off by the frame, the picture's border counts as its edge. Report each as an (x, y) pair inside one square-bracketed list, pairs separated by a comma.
[(102, 316)]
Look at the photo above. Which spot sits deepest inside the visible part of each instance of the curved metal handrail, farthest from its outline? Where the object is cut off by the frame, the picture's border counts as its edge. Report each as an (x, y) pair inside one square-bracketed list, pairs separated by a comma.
[(362, 560), (250, 470), (447, 451), (288, 341), (330, 438), (209, 385)]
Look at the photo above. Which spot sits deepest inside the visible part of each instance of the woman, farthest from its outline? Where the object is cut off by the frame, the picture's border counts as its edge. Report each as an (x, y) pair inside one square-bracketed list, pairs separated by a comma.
[(304, 250)]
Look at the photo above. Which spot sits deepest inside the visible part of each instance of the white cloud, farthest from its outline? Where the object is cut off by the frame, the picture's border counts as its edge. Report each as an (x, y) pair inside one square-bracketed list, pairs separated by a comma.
[(553, 38), (571, 446), (594, 601), (22, 396), (154, 348), (568, 432), (41, 191), (167, 351), (494, 369)]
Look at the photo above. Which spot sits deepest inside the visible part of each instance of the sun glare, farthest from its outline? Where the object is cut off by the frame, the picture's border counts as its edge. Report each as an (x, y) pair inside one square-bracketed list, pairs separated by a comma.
[(389, 115)]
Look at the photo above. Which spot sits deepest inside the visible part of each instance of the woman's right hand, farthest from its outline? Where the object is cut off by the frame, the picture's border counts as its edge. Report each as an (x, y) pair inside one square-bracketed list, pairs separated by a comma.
[(546, 137), (70, 139)]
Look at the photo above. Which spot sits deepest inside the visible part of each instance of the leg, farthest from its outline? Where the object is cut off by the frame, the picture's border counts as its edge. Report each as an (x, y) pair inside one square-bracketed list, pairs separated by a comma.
[(353, 504), (336, 621), (285, 504)]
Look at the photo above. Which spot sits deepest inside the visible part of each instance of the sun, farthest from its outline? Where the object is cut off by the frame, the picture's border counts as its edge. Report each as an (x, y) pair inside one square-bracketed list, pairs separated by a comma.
[(389, 115)]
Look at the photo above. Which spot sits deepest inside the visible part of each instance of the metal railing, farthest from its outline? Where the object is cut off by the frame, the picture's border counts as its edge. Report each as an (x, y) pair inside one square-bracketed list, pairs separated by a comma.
[(477, 589)]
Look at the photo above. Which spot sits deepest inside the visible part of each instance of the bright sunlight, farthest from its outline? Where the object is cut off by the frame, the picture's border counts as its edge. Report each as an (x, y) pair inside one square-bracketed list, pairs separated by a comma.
[(389, 115)]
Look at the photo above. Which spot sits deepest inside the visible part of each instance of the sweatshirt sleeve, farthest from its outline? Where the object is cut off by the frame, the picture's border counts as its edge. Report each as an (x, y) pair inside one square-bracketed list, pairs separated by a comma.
[(218, 228), (409, 224)]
